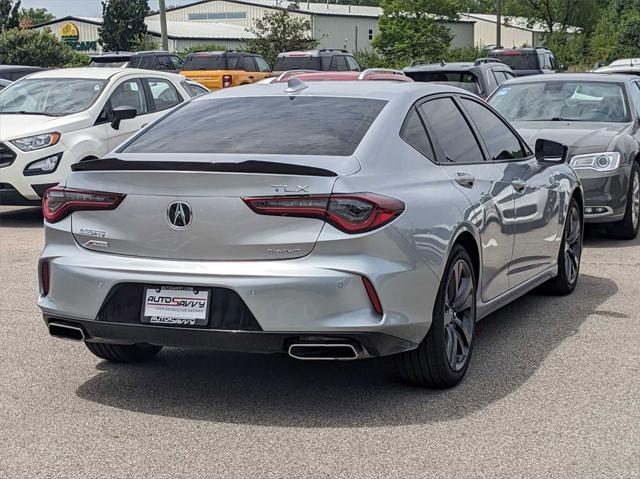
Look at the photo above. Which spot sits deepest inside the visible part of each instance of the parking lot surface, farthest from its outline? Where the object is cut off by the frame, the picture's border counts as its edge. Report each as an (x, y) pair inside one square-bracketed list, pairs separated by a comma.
[(552, 391)]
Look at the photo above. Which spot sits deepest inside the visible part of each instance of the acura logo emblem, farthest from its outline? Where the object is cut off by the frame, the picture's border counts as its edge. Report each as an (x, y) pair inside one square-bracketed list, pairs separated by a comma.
[(179, 215)]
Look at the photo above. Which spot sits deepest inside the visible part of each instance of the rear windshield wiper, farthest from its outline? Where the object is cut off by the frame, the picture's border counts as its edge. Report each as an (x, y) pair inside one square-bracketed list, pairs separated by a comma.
[(250, 166)]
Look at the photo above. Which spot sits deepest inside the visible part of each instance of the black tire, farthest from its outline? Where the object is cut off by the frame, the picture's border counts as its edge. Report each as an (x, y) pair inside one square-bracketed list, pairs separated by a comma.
[(569, 254), (430, 364), (123, 353), (628, 227)]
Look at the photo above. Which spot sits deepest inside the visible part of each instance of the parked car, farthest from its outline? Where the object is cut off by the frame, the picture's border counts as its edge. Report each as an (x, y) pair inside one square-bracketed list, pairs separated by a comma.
[(217, 70), (56, 118), (325, 59), (329, 221), (4, 83), (625, 65), (158, 60), (527, 61), (15, 72), (372, 74), (598, 117), (480, 77)]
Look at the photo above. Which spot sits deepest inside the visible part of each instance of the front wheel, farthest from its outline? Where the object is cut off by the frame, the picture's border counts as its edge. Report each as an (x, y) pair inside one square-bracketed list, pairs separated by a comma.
[(123, 353), (442, 358), (630, 224)]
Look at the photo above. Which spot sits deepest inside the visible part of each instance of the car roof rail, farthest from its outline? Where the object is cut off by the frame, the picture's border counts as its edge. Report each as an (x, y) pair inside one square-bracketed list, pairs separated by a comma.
[(292, 73), (341, 50), (373, 71), (480, 61)]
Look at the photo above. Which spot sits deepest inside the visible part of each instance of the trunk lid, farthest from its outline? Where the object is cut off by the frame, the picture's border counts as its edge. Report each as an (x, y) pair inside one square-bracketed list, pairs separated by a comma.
[(221, 226)]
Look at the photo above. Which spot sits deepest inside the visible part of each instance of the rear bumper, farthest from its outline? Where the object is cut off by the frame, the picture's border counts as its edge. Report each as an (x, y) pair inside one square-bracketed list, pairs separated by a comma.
[(372, 344)]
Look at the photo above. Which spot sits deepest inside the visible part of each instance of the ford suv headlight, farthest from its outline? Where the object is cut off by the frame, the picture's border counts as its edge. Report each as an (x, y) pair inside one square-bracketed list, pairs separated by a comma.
[(37, 142), (608, 161)]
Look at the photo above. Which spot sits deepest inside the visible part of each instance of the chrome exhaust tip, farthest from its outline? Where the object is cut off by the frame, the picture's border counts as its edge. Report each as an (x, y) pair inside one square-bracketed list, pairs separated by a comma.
[(324, 351), (65, 331)]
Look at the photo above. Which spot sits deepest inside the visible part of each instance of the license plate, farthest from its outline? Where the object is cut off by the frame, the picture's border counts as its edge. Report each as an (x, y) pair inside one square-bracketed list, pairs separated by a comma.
[(175, 305)]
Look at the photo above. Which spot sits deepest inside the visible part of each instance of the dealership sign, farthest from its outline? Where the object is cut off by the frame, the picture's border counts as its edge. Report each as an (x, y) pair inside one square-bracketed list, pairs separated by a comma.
[(71, 36)]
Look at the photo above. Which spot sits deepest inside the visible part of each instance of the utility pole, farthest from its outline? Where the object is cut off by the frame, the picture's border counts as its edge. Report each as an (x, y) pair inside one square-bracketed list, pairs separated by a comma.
[(498, 23), (163, 25)]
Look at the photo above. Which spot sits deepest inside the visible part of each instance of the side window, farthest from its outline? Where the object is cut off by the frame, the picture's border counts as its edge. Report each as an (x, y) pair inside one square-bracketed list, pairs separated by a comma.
[(635, 96), (247, 64), (233, 63), (263, 66), (353, 64), (500, 140), (149, 63), (165, 63), (193, 89), (129, 93), (413, 132), (452, 132), (339, 64), (177, 62), (164, 94)]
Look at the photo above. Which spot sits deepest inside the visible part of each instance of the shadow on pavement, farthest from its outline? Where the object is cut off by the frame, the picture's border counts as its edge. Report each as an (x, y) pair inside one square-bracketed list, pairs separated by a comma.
[(20, 217), (596, 237), (274, 390)]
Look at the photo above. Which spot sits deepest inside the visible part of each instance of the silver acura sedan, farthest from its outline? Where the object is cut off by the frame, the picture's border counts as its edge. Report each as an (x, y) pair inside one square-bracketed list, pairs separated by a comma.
[(329, 221)]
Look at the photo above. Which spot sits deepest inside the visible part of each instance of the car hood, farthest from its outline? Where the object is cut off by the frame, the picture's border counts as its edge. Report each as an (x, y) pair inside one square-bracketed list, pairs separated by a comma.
[(20, 126), (574, 134)]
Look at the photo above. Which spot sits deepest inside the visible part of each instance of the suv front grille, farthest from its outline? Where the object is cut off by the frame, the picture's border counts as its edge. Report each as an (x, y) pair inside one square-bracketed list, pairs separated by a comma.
[(7, 155)]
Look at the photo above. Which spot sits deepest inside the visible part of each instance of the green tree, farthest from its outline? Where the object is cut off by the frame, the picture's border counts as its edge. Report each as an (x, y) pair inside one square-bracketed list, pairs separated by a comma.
[(278, 32), (33, 47), (202, 47), (143, 43), (36, 15), (407, 32), (9, 14), (123, 21)]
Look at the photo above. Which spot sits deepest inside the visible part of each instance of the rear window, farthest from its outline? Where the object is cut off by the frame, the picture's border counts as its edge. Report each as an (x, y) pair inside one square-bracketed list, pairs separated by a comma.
[(109, 62), (276, 125), (518, 60), (294, 63), (464, 80), (206, 62)]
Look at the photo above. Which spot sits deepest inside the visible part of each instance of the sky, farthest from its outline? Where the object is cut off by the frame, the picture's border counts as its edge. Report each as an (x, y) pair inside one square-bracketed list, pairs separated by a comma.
[(87, 8)]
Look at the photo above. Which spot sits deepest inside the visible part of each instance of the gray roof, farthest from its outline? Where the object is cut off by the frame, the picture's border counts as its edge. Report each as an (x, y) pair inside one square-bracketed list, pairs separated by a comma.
[(613, 78)]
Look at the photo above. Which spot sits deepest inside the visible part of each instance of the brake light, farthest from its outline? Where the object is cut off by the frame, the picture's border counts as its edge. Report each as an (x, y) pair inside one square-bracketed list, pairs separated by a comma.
[(57, 203), (226, 81), (44, 277), (350, 213)]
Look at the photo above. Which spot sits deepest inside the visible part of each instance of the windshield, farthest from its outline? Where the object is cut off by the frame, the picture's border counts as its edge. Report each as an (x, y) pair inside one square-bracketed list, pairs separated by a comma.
[(562, 100), (50, 96), (274, 125), (285, 63), (465, 80), (517, 60)]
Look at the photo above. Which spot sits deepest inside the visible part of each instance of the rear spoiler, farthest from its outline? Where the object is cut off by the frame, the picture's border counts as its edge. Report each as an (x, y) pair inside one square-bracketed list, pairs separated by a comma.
[(250, 166)]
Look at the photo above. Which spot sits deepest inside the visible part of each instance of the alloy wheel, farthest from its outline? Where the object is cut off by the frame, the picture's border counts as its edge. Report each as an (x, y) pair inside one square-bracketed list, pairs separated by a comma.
[(459, 314), (635, 200), (573, 246)]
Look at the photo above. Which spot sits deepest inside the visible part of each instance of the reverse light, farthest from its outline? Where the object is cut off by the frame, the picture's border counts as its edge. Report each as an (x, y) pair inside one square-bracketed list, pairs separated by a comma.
[(350, 213), (607, 161), (226, 81), (37, 142), (58, 203), (44, 166)]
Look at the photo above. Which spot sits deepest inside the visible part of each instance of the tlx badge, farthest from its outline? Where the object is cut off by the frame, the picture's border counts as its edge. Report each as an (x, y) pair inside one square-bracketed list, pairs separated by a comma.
[(291, 189)]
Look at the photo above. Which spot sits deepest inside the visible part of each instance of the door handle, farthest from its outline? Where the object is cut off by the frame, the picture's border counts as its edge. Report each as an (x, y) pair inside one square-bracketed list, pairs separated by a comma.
[(519, 185), (465, 180)]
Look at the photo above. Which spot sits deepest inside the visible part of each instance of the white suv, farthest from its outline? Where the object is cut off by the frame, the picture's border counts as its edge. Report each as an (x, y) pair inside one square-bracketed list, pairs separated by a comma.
[(52, 119)]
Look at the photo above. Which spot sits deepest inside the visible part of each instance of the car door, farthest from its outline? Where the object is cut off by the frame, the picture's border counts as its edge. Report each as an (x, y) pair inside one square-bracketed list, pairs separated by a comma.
[(535, 191), (264, 70), (463, 160), (128, 93)]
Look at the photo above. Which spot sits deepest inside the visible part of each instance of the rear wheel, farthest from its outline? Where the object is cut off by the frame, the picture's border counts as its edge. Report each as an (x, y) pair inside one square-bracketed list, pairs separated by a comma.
[(628, 227), (569, 255), (123, 353), (442, 358)]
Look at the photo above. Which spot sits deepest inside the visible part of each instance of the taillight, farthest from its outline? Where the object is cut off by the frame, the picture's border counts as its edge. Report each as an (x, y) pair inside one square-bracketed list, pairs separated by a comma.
[(226, 81), (351, 213), (58, 203), (44, 277)]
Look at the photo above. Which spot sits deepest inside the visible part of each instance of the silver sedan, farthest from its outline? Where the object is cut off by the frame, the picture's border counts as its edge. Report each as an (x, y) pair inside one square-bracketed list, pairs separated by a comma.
[(329, 221)]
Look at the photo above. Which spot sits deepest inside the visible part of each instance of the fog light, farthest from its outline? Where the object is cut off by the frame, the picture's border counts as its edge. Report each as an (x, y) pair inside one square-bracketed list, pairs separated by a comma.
[(44, 166), (588, 210)]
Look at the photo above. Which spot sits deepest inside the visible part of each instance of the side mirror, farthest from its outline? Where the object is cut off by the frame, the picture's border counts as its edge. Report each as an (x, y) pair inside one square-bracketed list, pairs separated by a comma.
[(122, 113), (551, 151)]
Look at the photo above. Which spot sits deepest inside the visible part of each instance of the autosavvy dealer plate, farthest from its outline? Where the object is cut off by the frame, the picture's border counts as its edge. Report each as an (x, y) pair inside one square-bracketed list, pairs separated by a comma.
[(175, 305)]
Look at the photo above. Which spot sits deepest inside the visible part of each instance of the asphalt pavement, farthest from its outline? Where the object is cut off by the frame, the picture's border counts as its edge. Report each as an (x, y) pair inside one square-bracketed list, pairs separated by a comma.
[(553, 390)]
